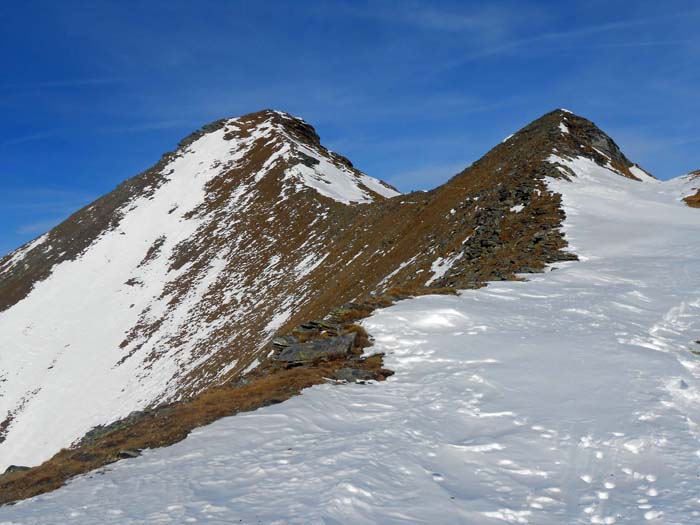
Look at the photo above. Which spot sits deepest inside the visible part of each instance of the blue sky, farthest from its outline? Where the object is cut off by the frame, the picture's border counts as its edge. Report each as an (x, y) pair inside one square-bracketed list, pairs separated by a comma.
[(93, 92)]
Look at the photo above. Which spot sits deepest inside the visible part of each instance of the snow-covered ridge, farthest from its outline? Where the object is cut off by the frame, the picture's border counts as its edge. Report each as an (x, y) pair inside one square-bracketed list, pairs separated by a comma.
[(587, 169), (151, 301), (324, 174), (233, 240), (72, 324), (568, 398)]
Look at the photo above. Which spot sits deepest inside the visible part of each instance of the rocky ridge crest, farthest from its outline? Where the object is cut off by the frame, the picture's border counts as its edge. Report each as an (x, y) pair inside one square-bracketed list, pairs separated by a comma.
[(253, 228)]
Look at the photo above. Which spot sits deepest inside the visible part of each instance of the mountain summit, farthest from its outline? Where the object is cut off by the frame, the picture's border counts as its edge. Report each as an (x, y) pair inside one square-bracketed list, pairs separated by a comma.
[(175, 279), (180, 278)]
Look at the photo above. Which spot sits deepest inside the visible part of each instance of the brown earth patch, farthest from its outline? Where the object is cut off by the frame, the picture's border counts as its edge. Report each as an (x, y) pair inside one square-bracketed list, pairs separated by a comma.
[(693, 200), (375, 247), (385, 248), (270, 383)]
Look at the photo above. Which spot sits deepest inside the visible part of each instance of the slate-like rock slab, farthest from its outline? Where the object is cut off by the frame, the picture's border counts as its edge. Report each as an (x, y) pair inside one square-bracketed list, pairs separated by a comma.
[(129, 453), (353, 375), (318, 348), (15, 468)]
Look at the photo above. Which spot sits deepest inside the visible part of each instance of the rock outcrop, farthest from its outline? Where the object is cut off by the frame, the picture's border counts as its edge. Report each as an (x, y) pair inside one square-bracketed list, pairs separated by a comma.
[(328, 347), (244, 232)]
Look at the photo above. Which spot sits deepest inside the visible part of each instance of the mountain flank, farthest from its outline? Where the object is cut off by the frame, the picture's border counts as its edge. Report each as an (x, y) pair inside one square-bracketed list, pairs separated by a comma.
[(188, 284)]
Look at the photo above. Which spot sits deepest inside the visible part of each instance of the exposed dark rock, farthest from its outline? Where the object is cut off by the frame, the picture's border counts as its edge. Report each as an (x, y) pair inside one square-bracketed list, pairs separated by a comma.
[(128, 453), (192, 137), (306, 160), (321, 326), (97, 432), (85, 456), (498, 216), (284, 341), (241, 382), (16, 468), (341, 159), (528, 269), (272, 401), (354, 375), (318, 349)]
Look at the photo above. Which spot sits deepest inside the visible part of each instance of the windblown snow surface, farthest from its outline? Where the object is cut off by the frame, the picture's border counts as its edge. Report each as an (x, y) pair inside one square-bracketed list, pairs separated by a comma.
[(572, 397)]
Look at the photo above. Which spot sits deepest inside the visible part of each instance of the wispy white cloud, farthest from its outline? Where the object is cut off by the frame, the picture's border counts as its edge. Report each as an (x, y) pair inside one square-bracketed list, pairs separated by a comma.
[(62, 83), (44, 201), (433, 16), (634, 44), (484, 19), (39, 227), (27, 211), (32, 137), (148, 126), (137, 127), (555, 37), (31, 211)]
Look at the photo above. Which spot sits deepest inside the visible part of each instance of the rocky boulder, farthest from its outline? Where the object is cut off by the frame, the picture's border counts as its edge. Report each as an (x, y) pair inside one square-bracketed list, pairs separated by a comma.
[(354, 375), (15, 468), (317, 349)]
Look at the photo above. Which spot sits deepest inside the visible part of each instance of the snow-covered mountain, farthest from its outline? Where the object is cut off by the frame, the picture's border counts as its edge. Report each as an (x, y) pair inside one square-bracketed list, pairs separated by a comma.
[(569, 397), (175, 279), (179, 278)]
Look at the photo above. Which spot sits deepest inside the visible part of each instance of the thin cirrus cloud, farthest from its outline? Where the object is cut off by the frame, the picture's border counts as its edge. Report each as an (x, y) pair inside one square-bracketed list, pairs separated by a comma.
[(101, 130), (489, 21), (39, 227), (62, 83), (147, 126), (46, 200), (33, 137), (520, 45), (29, 212), (410, 90)]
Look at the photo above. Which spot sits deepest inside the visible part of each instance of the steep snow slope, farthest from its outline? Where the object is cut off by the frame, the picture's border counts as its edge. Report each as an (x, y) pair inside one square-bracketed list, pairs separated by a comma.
[(573, 397), (178, 279), (160, 295)]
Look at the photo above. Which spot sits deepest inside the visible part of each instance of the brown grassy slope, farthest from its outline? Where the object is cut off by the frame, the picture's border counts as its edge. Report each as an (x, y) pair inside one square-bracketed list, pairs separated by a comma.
[(365, 244), (165, 425), (424, 226), (472, 214), (693, 200)]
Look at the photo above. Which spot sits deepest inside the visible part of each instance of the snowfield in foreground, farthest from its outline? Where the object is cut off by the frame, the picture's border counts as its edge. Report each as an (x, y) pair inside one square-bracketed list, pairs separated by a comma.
[(570, 398)]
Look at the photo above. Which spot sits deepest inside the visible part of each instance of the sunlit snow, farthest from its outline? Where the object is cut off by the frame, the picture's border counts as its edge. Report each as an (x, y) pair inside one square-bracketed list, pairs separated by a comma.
[(62, 366), (569, 398)]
